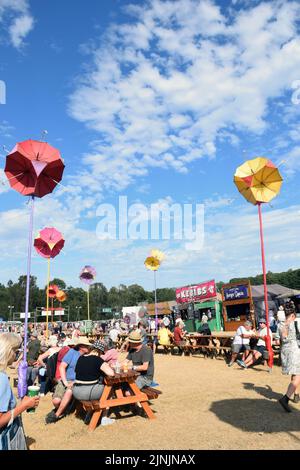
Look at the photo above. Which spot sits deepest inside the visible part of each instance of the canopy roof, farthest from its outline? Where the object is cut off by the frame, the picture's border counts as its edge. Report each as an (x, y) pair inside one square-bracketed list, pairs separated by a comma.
[(274, 291)]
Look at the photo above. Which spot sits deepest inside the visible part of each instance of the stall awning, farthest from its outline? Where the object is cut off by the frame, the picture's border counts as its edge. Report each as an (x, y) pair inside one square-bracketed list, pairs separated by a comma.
[(274, 291), (163, 308)]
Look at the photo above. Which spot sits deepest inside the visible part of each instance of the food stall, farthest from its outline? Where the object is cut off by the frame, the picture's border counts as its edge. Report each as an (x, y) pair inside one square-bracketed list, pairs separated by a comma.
[(237, 305), (196, 300)]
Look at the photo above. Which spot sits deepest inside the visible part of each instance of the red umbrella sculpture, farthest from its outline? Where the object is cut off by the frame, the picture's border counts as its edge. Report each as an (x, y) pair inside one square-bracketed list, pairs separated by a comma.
[(53, 291), (49, 244), (33, 168)]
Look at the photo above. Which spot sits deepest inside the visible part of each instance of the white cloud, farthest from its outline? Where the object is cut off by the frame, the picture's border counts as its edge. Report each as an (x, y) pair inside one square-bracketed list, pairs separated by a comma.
[(19, 29), (164, 89), (16, 19)]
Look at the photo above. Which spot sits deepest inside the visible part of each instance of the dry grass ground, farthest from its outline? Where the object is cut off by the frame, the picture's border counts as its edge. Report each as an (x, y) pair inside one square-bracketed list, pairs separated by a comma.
[(205, 405)]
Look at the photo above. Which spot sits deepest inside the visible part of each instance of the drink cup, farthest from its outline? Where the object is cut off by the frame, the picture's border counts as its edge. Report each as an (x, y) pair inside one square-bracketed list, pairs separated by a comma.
[(33, 391)]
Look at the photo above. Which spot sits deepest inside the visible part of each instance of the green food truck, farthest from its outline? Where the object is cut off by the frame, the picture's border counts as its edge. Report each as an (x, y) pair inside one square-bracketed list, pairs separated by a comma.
[(213, 310), (197, 300)]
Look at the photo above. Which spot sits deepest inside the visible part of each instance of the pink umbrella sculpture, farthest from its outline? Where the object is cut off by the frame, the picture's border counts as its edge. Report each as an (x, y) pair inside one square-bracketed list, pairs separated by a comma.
[(49, 244), (33, 169), (87, 276)]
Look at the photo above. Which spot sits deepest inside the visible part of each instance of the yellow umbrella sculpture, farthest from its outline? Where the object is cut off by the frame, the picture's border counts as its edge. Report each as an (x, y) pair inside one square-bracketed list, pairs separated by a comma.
[(152, 263), (259, 181)]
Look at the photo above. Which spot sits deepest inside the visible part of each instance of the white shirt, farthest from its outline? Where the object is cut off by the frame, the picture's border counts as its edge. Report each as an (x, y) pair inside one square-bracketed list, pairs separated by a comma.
[(263, 333), (238, 338)]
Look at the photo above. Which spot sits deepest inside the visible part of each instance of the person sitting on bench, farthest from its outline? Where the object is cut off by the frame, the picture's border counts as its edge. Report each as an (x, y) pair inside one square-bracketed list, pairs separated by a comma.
[(141, 358), (164, 335), (260, 349)]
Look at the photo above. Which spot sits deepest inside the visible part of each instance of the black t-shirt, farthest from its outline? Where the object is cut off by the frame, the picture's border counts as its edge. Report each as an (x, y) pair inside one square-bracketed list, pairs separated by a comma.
[(88, 368), (34, 347), (139, 357), (204, 329)]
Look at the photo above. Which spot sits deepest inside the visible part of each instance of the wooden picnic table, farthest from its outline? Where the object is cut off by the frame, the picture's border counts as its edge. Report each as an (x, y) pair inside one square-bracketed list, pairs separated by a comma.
[(114, 396), (213, 344)]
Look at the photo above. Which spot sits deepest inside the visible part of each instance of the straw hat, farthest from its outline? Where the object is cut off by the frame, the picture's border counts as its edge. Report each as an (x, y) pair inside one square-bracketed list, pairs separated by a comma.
[(69, 342), (135, 337), (82, 341)]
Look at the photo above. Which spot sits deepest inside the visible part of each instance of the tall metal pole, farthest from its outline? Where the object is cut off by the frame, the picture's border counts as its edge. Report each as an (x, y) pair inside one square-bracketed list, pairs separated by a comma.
[(155, 303), (268, 337), (22, 371), (88, 301), (47, 300), (28, 276), (263, 265)]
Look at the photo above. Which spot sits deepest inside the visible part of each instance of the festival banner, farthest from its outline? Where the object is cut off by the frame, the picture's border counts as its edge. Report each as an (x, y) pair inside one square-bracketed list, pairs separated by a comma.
[(196, 293), (236, 292)]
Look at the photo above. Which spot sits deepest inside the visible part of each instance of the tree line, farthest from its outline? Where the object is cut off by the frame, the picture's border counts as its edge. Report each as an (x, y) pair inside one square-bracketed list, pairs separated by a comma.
[(13, 294)]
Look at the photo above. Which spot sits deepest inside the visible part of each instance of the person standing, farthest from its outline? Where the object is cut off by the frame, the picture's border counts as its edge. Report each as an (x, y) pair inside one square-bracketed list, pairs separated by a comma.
[(290, 357), (9, 409)]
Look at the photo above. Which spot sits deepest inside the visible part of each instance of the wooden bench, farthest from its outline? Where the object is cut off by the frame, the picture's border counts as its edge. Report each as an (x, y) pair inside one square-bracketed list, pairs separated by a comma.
[(151, 392), (166, 347), (114, 397)]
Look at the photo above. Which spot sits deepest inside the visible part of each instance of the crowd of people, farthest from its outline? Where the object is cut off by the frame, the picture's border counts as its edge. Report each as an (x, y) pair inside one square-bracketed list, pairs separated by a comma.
[(71, 365), (285, 333)]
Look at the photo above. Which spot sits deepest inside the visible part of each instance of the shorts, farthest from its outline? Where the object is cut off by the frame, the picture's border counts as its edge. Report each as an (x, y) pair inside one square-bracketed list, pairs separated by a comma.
[(87, 392), (59, 390), (260, 349), (143, 381), (236, 348)]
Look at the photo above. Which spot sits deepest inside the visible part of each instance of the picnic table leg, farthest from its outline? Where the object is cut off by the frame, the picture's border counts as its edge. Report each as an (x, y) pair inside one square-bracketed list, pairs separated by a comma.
[(95, 419), (97, 414), (145, 403)]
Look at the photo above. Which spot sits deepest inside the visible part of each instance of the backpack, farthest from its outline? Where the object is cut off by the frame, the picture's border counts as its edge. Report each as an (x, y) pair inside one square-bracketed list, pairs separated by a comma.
[(50, 372)]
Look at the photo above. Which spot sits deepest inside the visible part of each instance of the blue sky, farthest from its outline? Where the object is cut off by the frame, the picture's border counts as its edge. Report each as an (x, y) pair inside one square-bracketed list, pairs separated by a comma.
[(160, 102)]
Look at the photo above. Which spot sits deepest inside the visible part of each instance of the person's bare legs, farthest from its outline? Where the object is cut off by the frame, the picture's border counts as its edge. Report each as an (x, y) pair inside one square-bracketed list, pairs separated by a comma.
[(245, 354), (253, 357), (64, 402), (233, 357), (284, 400), (56, 402), (295, 382)]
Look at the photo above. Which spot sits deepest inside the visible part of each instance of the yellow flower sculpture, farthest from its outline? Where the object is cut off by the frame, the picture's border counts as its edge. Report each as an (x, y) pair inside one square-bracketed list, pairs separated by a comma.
[(158, 255), (152, 263)]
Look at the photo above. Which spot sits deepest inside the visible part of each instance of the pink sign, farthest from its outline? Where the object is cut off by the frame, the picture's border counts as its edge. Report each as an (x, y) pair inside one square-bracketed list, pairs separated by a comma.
[(196, 293)]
